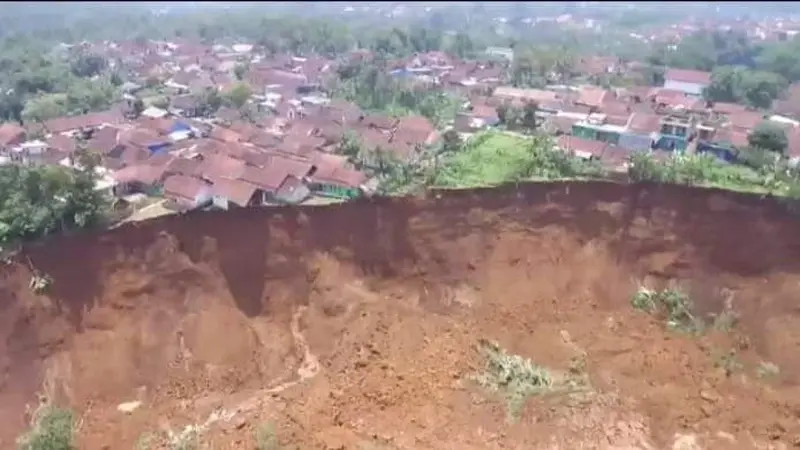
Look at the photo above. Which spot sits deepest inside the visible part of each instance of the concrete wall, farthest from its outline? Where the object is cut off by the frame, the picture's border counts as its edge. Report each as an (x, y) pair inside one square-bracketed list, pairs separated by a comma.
[(689, 88)]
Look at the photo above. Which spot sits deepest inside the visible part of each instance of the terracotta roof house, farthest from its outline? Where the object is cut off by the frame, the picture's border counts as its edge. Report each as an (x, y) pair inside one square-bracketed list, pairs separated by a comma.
[(226, 194), (11, 134), (728, 108), (217, 166), (535, 95), (140, 177), (594, 97), (187, 192), (67, 124), (583, 148), (745, 120), (333, 178), (690, 82), (276, 183)]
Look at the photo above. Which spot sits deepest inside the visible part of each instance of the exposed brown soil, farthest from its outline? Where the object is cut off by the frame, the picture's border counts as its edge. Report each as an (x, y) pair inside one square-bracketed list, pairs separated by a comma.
[(356, 324)]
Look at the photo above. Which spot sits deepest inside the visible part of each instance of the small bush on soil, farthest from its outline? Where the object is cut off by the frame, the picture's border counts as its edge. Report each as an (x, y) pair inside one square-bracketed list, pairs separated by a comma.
[(52, 430), (266, 439), (40, 283), (729, 362), (145, 442), (767, 370), (517, 378), (725, 321), (187, 439), (673, 304)]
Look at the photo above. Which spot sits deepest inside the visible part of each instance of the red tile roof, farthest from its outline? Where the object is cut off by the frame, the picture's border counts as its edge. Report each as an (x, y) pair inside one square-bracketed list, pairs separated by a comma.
[(11, 134), (594, 97), (728, 108), (216, 166), (267, 178), (745, 120), (585, 147), (225, 135), (537, 95), (63, 143), (644, 123), (236, 191), (735, 137), (62, 124), (688, 76), (181, 187), (343, 176), (141, 173)]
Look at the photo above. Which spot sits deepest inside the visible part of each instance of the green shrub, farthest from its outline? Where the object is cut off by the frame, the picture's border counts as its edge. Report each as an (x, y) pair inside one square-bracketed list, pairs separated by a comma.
[(52, 430), (674, 305), (266, 439), (517, 379)]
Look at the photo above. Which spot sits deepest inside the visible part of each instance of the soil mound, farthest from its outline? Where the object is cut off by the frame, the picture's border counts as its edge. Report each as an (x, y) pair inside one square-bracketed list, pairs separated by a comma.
[(358, 325)]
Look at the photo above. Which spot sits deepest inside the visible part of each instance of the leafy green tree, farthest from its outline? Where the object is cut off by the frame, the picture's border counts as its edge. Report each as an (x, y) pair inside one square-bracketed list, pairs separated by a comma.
[(760, 88), (239, 71), (545, 161), (116, 79), (11, 107), (160, 102), (741, 85), (760, 159), (781, 58), (529, 120), (351, 147), (238, 95), (209, 101), (90, 95), (45, 107), (137, 107), (452, 142), (502, 113), (705, 50), (643, 167), (461, 45), (48, 199), (726, 84), (769, 136), (86, 66)]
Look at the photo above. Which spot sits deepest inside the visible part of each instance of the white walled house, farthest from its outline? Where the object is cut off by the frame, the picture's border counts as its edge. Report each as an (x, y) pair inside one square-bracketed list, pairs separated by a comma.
[(29, 152), (690, 82)]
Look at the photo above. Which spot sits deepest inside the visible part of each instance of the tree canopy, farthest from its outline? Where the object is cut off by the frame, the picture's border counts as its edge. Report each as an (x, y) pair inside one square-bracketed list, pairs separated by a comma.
[(47, 199)]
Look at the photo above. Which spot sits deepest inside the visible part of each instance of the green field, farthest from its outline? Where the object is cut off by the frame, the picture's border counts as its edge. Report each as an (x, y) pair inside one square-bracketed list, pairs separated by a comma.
[(494, 157), (488, 159)]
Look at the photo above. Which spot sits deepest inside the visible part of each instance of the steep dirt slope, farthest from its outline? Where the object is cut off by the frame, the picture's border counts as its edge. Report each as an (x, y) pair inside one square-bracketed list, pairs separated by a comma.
[(356, 325)]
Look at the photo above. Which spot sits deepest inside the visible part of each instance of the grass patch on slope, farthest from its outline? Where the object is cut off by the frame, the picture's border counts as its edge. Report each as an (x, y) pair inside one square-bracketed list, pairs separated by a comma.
[(491, 158), (52, 429), (516, 379), (487, 159)]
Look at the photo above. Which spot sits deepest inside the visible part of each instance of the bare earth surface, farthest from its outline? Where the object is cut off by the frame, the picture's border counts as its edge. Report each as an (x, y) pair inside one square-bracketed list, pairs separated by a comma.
[(355, 326)]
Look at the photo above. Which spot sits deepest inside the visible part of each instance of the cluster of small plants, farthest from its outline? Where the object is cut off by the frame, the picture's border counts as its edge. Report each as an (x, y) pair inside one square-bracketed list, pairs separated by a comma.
[(517, 379), (52, 429), (671, 304)]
